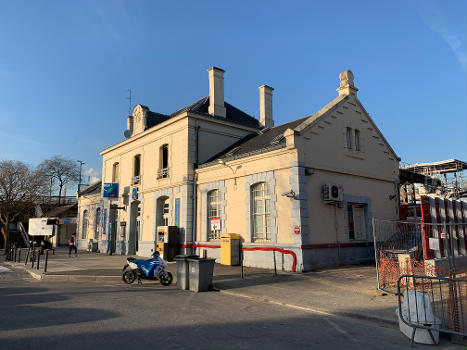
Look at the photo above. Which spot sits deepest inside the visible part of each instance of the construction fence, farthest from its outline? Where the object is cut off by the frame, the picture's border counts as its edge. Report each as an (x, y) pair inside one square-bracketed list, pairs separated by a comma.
[(433, 304), (417, 248)]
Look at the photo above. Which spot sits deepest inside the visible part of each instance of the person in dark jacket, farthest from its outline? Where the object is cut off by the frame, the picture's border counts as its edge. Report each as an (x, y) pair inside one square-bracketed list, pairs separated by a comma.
[(72, 244)]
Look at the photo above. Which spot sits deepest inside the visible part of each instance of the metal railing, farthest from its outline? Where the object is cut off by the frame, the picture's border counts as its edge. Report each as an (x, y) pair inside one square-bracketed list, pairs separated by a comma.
[(433, 303), (23, 232), (136, 180), (33, 255), (163, 173)]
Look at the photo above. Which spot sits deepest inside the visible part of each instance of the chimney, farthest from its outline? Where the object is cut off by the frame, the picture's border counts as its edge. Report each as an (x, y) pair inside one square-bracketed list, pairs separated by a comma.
[(216, 92), (347, 87), (265, 106)]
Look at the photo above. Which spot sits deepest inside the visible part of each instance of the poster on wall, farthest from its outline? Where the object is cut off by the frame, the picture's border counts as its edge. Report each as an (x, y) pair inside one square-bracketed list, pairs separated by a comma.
[(215, 224), (134, 193)]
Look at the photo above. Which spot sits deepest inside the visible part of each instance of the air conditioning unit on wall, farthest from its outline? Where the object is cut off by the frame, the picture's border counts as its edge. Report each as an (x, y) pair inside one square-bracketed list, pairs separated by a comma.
[(332, 193)]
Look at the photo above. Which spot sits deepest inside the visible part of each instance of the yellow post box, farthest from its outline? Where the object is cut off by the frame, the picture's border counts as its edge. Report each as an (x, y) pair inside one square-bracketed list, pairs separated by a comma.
[(230, 249)]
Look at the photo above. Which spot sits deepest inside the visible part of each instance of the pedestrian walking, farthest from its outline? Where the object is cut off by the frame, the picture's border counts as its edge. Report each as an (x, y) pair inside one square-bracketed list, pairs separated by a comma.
[(72, 244)]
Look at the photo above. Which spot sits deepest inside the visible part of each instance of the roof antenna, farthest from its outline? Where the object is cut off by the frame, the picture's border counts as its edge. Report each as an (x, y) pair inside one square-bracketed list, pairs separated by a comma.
[(129, 98)]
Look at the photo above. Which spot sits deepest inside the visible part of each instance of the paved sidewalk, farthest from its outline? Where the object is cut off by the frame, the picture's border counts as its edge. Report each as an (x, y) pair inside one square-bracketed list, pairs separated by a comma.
[(346, 291)]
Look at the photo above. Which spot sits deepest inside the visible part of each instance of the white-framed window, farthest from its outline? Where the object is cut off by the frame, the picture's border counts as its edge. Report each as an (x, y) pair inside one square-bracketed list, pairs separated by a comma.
[(84, 225), (348, 137), (163, 211), (163, 171), (214, 213), (356, 221), (357, 139), (116, 172), (261, 212)]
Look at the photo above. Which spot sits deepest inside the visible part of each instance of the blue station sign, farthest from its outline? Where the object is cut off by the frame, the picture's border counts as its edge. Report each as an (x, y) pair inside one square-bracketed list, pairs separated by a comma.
[(134, 193), (110, 190)]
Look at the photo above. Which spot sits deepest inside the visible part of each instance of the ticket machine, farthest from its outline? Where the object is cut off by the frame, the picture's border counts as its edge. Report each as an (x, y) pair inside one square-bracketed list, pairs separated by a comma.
[(166, 241)]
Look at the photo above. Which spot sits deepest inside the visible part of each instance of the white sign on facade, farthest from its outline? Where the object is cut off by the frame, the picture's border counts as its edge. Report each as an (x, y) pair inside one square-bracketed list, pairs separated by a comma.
[(39, 227), (434, 243), (215, 224)]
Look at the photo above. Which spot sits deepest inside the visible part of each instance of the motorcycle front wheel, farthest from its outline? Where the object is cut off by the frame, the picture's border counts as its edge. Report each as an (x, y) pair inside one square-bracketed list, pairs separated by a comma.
[(166, 278), (128, 276)]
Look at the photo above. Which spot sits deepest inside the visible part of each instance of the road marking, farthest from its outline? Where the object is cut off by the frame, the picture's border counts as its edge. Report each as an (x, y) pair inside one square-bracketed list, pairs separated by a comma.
[(302, 308)]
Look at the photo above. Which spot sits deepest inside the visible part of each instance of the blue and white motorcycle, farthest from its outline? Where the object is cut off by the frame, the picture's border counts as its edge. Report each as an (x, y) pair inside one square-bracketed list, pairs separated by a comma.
[(151, 269)]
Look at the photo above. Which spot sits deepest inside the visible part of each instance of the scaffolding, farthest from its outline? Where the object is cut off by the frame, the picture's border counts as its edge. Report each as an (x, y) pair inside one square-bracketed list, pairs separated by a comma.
[(446, 178)]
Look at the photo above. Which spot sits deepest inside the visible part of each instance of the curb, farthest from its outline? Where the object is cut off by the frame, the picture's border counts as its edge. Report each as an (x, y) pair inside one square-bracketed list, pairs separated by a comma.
[(63, 278), (385, 321)]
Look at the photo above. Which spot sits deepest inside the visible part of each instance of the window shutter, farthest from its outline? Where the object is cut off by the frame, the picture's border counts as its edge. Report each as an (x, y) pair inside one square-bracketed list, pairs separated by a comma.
[(359, 223)]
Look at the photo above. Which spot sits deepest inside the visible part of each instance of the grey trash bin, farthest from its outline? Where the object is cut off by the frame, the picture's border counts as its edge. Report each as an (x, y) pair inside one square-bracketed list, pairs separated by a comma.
[(200, 271), (182, 270)]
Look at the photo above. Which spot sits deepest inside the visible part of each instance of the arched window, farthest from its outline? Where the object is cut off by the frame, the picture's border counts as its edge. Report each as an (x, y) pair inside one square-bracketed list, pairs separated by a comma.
[(261, 212), (85, 223), (97, 224), (163, 211), (136, 179), (137, 165), (116, 172), (214, 215)]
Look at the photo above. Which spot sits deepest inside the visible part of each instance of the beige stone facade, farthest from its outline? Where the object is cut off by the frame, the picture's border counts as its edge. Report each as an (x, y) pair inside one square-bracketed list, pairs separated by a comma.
[(212, 169)]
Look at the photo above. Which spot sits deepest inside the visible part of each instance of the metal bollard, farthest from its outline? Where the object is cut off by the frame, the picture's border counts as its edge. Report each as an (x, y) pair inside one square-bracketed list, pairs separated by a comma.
[(46, 260), (33, 256), (38, 260), (274, 256), (241, 260), (27, 256)]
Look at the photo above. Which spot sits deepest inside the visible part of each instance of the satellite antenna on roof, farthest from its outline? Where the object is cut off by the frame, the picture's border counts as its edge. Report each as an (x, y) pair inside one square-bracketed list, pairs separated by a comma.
[(129, 98)]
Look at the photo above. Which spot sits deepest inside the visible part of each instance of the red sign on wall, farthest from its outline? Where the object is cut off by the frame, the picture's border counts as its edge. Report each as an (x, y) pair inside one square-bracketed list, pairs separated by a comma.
[(296, 230)]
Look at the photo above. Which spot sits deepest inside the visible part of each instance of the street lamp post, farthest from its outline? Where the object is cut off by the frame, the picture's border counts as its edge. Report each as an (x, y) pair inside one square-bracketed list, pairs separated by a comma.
[(80, 168)]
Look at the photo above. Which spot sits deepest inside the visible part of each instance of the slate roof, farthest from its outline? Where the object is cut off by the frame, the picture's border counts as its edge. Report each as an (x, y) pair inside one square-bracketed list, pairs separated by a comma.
[(265, 141), (92, 189), (271, 139), (60, 210), (233, 114), (154, 118)]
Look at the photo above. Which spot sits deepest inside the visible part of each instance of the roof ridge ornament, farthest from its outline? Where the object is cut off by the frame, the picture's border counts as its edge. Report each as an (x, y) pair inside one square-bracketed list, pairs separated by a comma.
[(347, 86)]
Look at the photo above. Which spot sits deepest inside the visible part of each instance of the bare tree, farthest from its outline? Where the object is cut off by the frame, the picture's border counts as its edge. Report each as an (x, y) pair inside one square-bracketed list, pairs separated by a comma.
[(20, 187), (64, 170)]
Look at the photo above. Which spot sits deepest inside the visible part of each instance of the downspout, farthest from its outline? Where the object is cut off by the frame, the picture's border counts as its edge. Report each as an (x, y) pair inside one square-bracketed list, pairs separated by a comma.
[(195, 191)]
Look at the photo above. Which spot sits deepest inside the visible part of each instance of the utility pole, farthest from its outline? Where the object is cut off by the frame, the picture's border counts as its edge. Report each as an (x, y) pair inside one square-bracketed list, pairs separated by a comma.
[(80, 168)]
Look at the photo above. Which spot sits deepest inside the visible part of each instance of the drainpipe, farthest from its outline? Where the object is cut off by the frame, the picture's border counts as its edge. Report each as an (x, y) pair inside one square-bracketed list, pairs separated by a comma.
[(195, 177)]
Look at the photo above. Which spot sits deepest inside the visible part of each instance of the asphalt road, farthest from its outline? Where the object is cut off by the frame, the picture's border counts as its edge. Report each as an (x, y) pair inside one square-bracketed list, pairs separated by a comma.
[(49, 315)]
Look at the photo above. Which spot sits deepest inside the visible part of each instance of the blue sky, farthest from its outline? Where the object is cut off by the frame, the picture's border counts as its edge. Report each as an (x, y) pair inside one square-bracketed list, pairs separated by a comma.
[(65, 67)]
